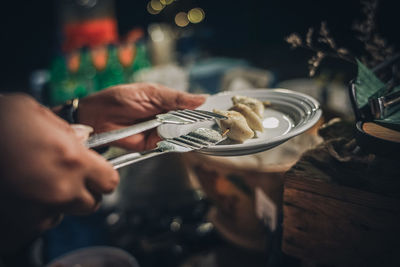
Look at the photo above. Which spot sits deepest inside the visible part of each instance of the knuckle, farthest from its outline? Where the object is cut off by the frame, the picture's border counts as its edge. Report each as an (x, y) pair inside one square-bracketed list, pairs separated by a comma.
[(60, 193), (106, 183), (89, 203), (70, 156), (112, 182)]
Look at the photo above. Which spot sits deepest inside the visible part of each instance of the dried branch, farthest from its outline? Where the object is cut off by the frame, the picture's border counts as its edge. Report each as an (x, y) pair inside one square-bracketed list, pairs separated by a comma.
[(294, 40), (309, 37), (325, 36), (376, 48), (325, 47)]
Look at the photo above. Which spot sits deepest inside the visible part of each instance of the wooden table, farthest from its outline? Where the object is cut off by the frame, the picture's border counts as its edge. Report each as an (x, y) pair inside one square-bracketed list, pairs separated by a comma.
[(341, 205)]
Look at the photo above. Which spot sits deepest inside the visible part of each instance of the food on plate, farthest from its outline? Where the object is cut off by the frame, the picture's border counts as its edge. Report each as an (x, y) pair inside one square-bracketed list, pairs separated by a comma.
[(244, 118), (267, 103), (252, 119), (256, 105), (239, 130)]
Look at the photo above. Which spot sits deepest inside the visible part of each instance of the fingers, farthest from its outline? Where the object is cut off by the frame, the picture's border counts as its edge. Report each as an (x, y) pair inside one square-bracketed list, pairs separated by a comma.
[(152, 139), (140, 142), (88, 202), (172, 99), (81, 131), (135, 142), (169, 99), (99, 178), (189, 101)]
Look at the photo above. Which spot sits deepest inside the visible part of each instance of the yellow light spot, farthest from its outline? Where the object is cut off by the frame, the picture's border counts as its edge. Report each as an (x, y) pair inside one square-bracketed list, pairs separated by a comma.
[(156, 5), (166, 2), (196, 15), (151, 10), (181, 19)]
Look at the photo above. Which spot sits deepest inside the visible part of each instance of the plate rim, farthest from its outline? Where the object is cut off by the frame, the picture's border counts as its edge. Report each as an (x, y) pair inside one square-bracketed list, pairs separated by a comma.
[(229, 150)]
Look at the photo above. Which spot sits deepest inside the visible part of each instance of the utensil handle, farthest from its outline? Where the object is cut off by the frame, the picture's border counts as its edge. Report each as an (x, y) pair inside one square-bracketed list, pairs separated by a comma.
[(111, 136), (131, 158)]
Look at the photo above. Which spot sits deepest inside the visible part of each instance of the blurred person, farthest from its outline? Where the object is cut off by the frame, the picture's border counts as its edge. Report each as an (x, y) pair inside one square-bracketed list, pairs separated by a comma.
[(45, 169)]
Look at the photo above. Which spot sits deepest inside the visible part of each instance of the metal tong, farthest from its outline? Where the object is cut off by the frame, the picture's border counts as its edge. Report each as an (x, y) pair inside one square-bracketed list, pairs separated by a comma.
[(178, 117), (198, 139)]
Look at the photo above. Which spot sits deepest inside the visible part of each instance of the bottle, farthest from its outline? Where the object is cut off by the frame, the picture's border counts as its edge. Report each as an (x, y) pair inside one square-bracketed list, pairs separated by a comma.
[(85, 25), (109, 71)]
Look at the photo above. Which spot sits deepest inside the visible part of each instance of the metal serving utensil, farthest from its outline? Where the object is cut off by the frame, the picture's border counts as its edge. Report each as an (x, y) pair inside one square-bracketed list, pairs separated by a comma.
[(384, 106), (173, 117), (198, 139)]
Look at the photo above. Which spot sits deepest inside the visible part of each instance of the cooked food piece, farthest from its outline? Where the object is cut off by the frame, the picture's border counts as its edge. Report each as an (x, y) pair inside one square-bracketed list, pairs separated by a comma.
[(256, 105), (267, 103), (239, 130), (253, 120)]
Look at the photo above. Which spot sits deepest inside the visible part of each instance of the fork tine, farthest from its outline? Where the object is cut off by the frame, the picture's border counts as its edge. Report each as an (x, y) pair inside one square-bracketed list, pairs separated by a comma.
[(194, 114), (185, 143), (195, 140), (198, 136), (201, 138), (185, 116), (198, 139), (209, 113), (192, 143)]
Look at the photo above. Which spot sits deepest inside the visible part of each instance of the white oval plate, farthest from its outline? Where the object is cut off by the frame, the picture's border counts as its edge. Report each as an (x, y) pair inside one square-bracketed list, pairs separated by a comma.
[(290, 114)]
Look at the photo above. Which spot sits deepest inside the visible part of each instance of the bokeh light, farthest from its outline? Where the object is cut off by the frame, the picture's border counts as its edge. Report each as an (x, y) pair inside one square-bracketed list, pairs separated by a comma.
[(196, 15), (156, 5), (181, 19), (151, 10), (166, 2)]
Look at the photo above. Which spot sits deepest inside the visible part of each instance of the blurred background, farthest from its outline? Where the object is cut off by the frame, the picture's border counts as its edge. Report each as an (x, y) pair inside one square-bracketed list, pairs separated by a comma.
[(34, 33), (57, 50)]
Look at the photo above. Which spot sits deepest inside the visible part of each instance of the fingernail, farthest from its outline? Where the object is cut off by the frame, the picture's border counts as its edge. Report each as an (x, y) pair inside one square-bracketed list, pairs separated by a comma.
[(82, 131)]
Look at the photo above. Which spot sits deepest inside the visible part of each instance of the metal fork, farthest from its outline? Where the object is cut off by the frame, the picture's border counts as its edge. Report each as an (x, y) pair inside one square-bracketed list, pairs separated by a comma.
[(185, 116), (198, 139)]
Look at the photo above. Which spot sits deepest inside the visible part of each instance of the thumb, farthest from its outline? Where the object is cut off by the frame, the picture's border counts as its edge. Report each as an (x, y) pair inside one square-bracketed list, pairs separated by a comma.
[(189, 101), (81, 131)]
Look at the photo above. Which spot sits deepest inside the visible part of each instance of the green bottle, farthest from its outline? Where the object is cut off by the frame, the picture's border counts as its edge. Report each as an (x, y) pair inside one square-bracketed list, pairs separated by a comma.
[(71, 76), (142, 60), (109, 70)]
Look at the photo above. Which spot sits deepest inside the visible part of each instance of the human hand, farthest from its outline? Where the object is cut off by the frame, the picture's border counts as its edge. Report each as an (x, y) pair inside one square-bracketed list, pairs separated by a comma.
[(124, 105), (45, 171)]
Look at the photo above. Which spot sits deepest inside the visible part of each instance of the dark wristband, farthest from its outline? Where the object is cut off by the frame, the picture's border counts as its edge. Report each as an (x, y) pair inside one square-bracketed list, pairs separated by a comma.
[(69, 111)]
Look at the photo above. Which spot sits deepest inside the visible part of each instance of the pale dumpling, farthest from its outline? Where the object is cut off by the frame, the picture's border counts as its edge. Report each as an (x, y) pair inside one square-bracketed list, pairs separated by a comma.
[(239, 130), (253, 120), (256, 105)]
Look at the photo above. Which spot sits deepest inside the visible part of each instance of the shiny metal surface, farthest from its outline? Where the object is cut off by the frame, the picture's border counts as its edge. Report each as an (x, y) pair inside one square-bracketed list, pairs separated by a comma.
[(197, 139), (177, 117), (290, 114), (384, 106)]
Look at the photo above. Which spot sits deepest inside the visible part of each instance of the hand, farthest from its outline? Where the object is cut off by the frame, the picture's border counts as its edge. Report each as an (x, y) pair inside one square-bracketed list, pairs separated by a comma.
[(124, 105), (45, 171)]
